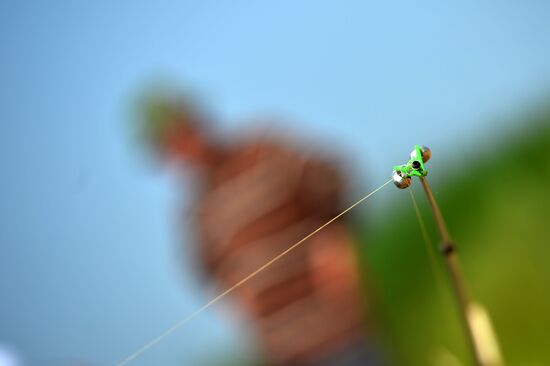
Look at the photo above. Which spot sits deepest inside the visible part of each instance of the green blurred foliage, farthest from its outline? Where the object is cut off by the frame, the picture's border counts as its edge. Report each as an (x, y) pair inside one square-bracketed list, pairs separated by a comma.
[(497, 207)]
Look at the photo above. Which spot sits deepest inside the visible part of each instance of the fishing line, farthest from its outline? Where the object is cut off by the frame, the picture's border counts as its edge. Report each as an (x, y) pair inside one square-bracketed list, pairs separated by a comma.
[(427, 240), (184, 321)]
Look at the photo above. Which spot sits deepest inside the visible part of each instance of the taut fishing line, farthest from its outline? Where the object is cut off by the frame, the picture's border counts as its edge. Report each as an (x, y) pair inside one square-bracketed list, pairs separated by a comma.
[(184, 321), (426, 237)]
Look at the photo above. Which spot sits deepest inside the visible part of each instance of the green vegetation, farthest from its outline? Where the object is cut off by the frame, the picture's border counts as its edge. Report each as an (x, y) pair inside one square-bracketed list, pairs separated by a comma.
[(498, 213)]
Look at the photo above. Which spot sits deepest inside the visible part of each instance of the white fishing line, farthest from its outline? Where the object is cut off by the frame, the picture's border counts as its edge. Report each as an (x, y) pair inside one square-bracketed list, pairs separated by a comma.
[(427, 240), (184, 321)]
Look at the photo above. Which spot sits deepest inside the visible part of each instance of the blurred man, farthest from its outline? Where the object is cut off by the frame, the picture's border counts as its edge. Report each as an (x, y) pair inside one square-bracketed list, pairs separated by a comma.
[(257, 197)]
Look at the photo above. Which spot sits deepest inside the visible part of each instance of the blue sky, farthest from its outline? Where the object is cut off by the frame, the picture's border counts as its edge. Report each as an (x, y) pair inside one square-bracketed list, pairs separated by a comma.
[(90, 266)]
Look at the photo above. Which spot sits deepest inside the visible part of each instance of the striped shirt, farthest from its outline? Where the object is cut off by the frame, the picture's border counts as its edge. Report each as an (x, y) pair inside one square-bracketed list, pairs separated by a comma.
[(255, 202)]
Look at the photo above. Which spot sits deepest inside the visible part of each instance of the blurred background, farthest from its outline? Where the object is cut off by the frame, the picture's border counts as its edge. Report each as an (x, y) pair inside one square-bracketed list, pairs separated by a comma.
[(91, 261)]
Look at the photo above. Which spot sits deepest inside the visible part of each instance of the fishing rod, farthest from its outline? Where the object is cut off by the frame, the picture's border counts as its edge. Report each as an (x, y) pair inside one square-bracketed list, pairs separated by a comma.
[(402, 178)]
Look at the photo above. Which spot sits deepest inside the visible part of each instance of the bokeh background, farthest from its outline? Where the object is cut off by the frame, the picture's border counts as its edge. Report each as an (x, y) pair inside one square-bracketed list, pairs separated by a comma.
[(89, 263)]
